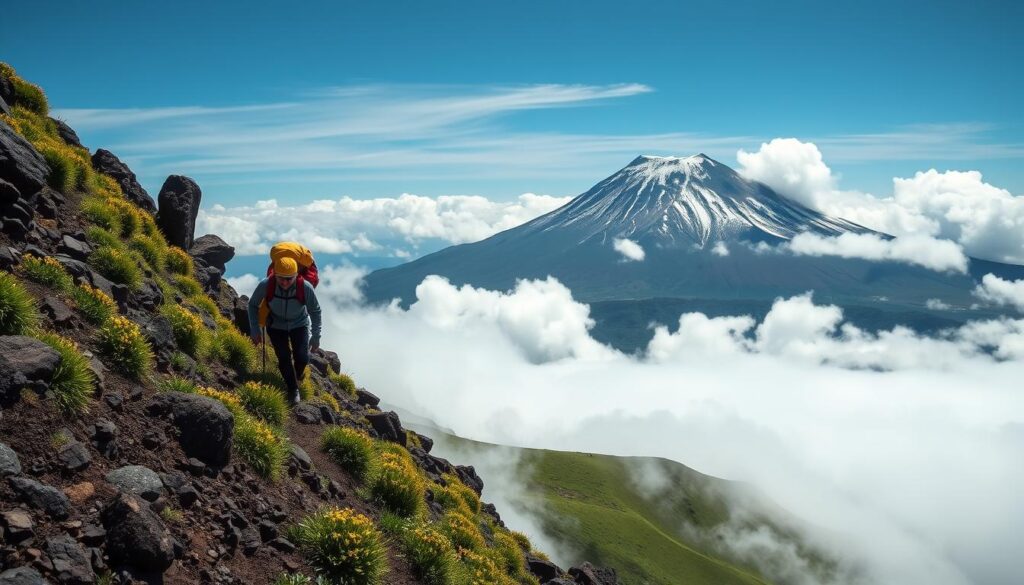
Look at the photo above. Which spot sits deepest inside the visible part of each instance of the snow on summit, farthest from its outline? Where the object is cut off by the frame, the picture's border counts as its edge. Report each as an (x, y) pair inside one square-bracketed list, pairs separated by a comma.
[(685, 201)]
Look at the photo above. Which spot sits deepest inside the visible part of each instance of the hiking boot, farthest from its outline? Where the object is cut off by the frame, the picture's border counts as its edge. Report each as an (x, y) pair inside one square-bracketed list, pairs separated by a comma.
[(295, 398)]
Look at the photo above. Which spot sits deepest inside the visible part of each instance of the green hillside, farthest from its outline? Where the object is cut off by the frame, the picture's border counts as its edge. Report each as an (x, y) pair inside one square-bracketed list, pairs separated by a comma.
[(659, 535)]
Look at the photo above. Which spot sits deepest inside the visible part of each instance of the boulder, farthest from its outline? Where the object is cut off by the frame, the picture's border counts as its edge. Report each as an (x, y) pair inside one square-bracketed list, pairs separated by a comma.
[(588, 574), (333, 360), (8, 193), (543, 570), (17, 526), (213, 251), (56, 311), (205, 426), (208, 277), (366, 398), (9, 462), (67, 133), (24, 361), (179, 200), (46, 498), (74, 456), (20, 164), (136, 536), (388, 426), (306, 413), (138, 480), (240, 314), (9, 257), (318, 361), (469, 477), (74, 248), (70, 563), (21, 576), (107, 163)]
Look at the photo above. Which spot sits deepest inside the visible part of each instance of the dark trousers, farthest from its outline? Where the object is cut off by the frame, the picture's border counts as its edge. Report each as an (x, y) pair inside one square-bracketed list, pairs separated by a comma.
[(294, 359)]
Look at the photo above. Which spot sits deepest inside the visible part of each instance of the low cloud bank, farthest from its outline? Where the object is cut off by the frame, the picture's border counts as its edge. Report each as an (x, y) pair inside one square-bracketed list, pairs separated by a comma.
[(904, 449), (386, 226), (940, 255), (958, 206)]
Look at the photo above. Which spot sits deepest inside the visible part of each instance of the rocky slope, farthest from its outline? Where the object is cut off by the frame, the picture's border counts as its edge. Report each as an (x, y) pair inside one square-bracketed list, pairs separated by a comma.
[(135, 446)]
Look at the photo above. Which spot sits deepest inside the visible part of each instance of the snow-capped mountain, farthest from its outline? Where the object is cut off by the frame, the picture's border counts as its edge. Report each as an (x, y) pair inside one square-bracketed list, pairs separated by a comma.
[(702, 228), (692, 200)]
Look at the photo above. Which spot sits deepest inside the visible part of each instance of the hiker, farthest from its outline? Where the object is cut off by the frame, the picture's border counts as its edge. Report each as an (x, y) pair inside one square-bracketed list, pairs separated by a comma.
[(285, 304)]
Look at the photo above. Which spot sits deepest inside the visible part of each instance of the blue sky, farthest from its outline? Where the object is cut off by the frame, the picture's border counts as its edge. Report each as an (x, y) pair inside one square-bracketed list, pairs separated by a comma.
[(323, 99)]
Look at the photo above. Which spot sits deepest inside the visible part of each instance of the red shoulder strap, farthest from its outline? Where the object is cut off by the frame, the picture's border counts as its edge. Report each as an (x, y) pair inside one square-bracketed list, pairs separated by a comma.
[(300, 289)]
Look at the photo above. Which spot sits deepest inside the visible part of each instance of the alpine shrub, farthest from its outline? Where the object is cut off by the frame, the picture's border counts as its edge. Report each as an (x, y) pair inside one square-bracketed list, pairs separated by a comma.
[(179, 262), (190, 333), (343, 381), (350, 449), (264, 402), (100, 212), (116, 265), (344, 545), (234, 349), (430, 554), (73, 380), (93, 303), (48, 272), (18, 313), (396, 484), (153, 250), (463, 532), (124, 346), (261, 446)]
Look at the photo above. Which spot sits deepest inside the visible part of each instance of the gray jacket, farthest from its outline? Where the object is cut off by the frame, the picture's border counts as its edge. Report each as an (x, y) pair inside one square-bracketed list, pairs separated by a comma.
[(286, 312)]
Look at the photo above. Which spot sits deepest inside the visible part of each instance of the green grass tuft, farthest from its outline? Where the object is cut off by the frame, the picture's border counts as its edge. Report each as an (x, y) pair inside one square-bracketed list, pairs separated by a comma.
[(462, 531), (344, 382), (350, 449), (124, 347), (234, 349), (264, 448), (190, 333), (179, 262), (264, 402), (117, 266), (99, 236), (94, 304), (73, 381), (18, 312), (343, 545), (101, 213), (395, 481), (47, 272), (431, 555), (153, 250), (27, 95)]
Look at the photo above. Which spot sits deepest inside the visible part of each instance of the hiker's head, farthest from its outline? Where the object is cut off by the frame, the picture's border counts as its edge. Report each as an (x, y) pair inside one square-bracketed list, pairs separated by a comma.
[(285, 269)]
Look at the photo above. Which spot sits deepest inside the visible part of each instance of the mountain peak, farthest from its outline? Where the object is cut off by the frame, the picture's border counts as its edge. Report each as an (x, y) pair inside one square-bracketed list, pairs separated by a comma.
[(684, 201)]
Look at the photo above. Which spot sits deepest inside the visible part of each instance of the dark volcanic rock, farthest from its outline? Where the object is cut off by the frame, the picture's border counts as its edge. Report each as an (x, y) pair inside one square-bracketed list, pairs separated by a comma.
[(20, 163), (366, 398), (74, 456), (388, 426), (206, 427), (24, 361), (17, 526), (469, 477), (588, 574), (136, 536), (74, 248), (9, 462), (56, 311), (47, 498), (70, 563), (21, 576), (8, 193), (333, 360), (179, 205), (212, 250), (106, 162), (307, 413), (138, 480), (67, 133), (543, 570)]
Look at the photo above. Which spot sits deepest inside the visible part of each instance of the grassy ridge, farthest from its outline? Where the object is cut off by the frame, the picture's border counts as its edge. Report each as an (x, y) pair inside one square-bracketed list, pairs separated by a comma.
[(595, 509)]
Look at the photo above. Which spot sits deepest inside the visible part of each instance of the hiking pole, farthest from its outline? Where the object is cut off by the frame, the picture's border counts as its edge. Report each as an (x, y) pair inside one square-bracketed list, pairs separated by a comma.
[(263, 349)]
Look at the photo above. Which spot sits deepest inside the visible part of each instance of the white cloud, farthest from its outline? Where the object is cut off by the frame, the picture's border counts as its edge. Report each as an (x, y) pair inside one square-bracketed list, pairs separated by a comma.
[(630, 250), (1001, 292), (937, 305), (940, 255), (988, 222), (720, 249), (904, 448), (365, 225), (244, 284)]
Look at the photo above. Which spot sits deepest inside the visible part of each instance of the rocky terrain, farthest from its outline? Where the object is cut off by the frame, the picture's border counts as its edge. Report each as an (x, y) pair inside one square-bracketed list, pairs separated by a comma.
[(141, 440)]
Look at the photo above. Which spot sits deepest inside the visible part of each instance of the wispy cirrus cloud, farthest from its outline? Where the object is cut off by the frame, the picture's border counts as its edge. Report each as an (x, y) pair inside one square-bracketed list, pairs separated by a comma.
[(375, 132)]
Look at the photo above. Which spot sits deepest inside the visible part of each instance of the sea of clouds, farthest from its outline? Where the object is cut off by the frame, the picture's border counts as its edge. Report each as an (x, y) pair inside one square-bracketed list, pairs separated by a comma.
[(900, 451)]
